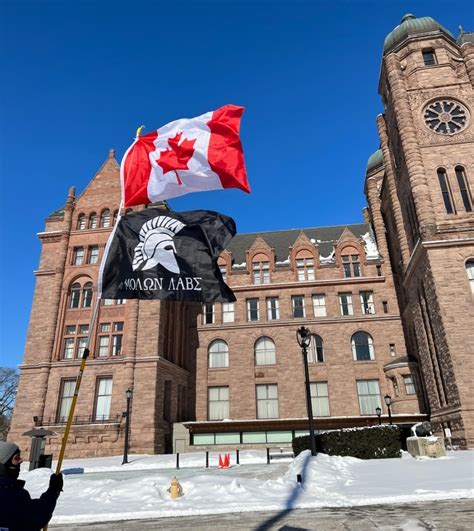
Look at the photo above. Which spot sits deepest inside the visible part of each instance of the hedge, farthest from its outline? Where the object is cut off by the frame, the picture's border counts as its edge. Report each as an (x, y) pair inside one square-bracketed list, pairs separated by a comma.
[(374, 442)]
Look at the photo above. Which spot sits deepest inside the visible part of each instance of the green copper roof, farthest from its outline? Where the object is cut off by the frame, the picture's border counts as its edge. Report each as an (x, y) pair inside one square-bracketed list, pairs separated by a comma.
[(411, 26), (376, 159)]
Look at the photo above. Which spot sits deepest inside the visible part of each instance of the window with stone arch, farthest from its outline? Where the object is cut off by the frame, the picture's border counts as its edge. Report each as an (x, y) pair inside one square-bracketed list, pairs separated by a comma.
[(470, 273), (466, 195), (218, 354), (105, 219), (80, 294), (261, 269), (93, 221), (265, 353), (81, 222), (305, 265), (362, 347), (350, 259)]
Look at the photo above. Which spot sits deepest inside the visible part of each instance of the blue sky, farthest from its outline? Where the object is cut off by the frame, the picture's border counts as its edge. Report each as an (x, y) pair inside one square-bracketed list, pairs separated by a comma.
[(82, 76)]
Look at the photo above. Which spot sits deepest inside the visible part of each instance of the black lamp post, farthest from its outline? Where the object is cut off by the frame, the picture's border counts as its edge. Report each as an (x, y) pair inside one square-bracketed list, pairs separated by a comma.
[(378, 410), (303, 335), (126, 414), (388, 402)]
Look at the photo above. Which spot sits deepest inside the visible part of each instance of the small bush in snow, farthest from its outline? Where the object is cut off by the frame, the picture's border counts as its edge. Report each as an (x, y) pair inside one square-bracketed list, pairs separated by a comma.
[(374, 442)]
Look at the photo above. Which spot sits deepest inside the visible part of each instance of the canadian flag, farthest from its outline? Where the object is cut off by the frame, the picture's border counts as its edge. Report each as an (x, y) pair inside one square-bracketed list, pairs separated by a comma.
[(188, 155)]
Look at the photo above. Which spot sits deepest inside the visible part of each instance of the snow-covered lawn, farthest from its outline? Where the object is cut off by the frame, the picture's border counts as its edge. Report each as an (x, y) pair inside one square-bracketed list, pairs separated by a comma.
[(101, 489)]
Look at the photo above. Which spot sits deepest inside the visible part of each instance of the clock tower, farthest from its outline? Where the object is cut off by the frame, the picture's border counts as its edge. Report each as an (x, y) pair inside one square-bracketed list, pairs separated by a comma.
[(419, 187)]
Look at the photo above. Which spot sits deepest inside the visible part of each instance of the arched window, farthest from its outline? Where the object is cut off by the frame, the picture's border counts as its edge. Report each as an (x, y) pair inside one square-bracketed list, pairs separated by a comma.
[(362, 346), (75, 295), (316, 349), (218, 354), (105, 218), (265, 352), (305, 266), (463, 188), (470, 274), (445, 190), (93, 221), (87, 295), (81, 222)]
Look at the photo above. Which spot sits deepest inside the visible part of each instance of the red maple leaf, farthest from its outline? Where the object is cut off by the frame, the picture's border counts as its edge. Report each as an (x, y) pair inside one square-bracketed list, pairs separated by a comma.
[(178, 155)]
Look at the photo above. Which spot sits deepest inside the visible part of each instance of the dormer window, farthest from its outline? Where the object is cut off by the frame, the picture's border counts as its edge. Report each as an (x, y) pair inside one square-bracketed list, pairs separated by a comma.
[(351, 265), (261, 272), (305, 266), (429, 56)]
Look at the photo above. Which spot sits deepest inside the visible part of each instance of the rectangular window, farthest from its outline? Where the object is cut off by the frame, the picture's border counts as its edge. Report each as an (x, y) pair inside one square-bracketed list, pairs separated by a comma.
[(68, 352), (267, 401), (320, 399), (297, 302), (104, 399), (385, 306), (368, 392), (351, 265), (305, 268), (261, 272), (117, 345), (108, 302), (103, 346), (345, 303), (83, 329), (392, 349), (218, 402), (120, 301), (253, 312), (70, 330), (208, 313), (223, 270), (379, 270), (78, 255), (228, 312), (65, 399), (409, 384), (319, 305), (429, 57), (81, 345), (93, 256), (104, 327), (273, 308), (367, 302)]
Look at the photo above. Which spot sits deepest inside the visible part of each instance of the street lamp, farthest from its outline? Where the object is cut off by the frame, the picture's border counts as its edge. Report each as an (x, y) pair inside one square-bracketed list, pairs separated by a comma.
[(126, 414), (303, 336), (378, 410), (388, 402)]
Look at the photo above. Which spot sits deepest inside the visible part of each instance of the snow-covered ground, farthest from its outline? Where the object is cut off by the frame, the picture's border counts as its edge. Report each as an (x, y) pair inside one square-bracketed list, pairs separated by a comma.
[(101, 489)]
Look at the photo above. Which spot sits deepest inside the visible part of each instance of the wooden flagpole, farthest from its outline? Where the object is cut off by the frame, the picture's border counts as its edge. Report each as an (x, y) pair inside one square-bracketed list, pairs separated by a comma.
[(85, 355)]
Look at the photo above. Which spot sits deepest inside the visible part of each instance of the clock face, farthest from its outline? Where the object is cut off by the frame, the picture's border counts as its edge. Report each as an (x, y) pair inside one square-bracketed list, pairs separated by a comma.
[(445, 116)]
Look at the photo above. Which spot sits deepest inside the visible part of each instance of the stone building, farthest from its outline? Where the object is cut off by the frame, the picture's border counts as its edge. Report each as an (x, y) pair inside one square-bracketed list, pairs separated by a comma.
[(389, 301), (419, 189)]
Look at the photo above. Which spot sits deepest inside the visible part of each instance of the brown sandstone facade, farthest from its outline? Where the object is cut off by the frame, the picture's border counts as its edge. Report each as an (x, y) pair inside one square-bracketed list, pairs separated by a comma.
[(390, 301)]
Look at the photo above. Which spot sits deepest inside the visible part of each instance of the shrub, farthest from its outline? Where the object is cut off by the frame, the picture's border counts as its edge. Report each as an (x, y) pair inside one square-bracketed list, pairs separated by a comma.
[(373, 442)]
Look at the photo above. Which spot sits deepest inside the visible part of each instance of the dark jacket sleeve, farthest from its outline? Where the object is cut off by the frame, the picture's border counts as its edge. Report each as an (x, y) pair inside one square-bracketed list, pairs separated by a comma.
[(24, 514)]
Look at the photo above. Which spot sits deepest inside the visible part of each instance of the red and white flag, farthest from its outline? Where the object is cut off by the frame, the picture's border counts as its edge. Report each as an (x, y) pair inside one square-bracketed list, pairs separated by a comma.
[(188, 155)]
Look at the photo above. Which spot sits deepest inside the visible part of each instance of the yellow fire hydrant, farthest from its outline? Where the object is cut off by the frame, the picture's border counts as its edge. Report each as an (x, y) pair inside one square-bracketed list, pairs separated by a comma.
[(175, 489)]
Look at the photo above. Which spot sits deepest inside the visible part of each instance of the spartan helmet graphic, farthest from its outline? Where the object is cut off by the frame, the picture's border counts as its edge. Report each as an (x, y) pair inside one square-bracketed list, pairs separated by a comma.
[(156, 244)]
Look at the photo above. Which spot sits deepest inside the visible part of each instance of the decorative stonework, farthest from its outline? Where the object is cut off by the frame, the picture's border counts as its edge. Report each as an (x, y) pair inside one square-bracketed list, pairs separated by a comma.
[(446, 116)]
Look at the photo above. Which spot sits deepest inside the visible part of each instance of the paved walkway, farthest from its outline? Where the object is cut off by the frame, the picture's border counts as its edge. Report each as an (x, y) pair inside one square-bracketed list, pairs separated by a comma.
[(456, 515)]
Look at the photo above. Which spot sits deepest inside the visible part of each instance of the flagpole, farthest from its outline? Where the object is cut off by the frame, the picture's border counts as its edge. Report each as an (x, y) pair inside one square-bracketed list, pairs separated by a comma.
[(85, 355)]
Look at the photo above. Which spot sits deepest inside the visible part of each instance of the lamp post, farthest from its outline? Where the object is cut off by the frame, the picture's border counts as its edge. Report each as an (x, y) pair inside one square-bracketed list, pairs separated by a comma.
[(126, 414), (303, 336), (378, 410), (388, 402)]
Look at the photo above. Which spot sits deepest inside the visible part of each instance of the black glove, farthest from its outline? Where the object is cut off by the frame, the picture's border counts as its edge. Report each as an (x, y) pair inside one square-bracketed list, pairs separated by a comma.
[(56, 482)]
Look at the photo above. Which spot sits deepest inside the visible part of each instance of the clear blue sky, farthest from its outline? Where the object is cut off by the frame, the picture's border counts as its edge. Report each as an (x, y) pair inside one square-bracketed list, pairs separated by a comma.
[(80, 76)]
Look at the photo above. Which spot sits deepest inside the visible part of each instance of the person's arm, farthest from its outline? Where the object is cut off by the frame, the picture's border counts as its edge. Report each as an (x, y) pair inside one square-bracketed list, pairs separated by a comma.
[(40, 510)]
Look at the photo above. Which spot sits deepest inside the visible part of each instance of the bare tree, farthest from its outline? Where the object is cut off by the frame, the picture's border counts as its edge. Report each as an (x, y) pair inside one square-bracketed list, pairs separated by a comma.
[(8, 386)]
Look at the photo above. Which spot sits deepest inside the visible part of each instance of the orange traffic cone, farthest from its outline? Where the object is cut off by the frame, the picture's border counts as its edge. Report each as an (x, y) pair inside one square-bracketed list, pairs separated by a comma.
[(221, 464), (227, 461)]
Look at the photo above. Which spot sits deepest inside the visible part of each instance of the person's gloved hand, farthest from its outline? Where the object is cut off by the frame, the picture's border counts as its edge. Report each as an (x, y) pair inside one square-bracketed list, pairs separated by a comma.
[(56, 482)]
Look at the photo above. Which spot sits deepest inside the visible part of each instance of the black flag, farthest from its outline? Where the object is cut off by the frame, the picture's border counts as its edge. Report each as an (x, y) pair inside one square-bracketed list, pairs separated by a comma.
[(156, 254)]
